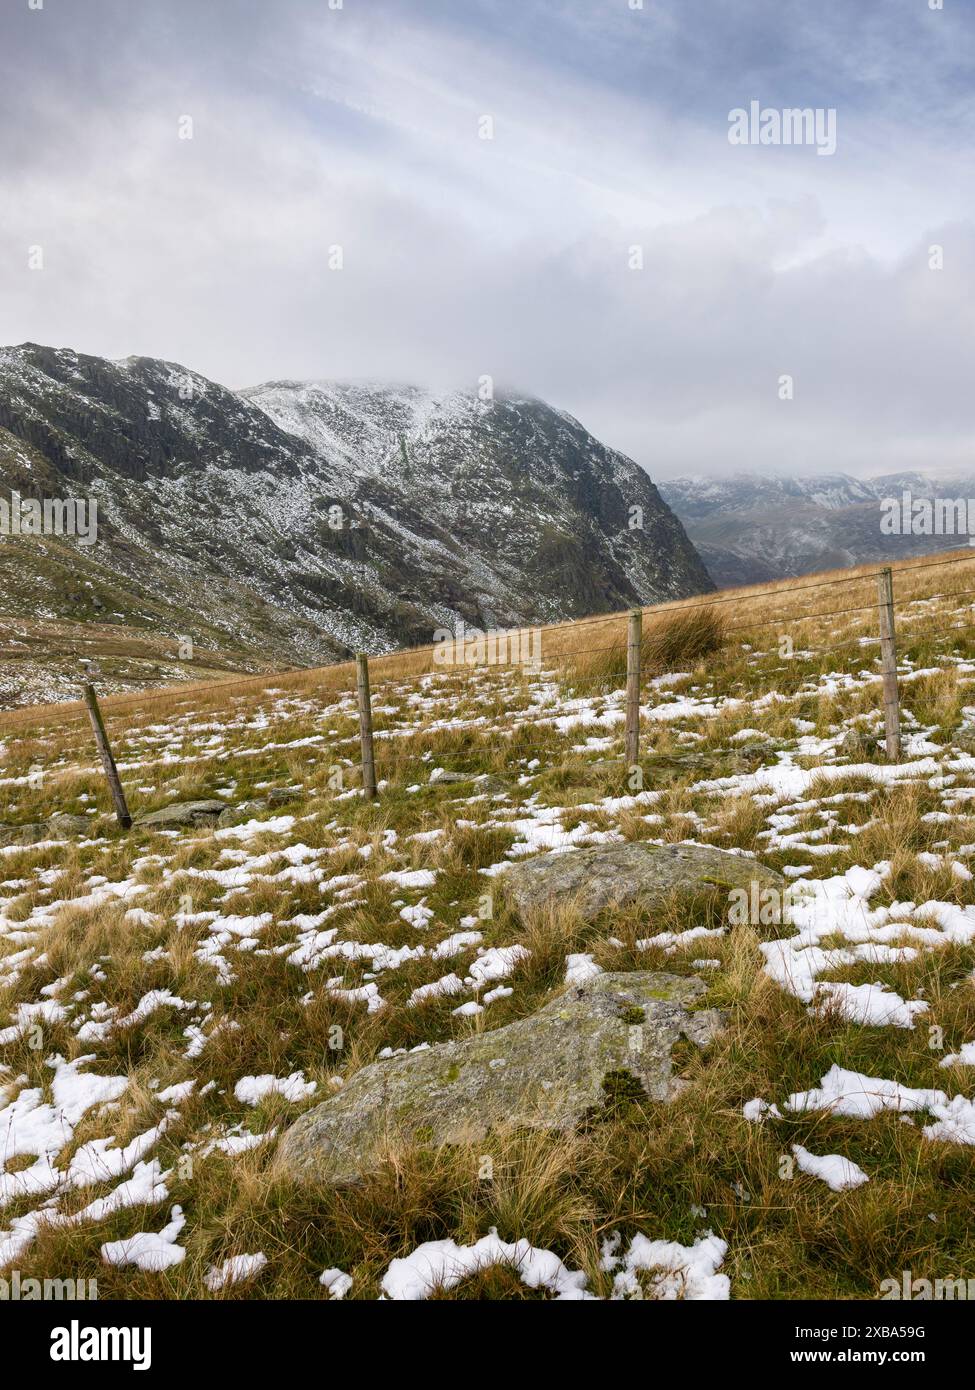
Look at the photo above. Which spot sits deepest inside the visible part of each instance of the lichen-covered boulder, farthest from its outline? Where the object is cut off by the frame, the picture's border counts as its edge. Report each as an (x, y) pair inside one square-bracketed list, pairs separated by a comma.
[(616, 875), (544, 1071), (182, 814), (29, 833), (60, 826)]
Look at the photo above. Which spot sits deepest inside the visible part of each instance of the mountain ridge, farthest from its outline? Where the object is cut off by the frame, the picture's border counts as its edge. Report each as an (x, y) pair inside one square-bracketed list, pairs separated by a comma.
[(754, 528), (297, 522)]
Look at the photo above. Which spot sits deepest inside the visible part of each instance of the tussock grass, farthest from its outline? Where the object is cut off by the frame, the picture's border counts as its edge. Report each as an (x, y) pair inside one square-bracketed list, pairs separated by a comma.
[(632, 1166)]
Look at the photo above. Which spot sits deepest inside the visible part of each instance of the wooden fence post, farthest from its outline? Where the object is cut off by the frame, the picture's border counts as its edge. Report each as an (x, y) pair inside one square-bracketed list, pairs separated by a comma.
[(365, 725), (888, 663), (105, 751), (634, 644)]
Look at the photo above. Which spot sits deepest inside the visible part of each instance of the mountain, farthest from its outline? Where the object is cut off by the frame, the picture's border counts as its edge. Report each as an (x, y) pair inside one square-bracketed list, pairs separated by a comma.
[(295, 522), (750, 528)]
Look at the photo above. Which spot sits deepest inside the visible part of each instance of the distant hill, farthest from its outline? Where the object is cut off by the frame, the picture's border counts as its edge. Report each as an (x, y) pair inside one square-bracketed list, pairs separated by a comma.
[(750, 528)]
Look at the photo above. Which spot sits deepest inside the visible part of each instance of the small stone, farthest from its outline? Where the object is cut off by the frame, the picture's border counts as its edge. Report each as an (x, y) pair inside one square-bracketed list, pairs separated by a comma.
[(964, 738), (860, 745), (243, 811)]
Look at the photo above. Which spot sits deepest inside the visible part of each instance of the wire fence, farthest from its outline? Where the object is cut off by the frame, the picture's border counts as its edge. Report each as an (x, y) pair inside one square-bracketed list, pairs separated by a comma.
[(507, 739)]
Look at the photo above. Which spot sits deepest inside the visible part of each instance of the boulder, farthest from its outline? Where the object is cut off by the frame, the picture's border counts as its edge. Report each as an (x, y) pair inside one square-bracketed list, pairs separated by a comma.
[(283, 796), (484, 783), (545, 1071), (60, 826), (616, 875), (28, 834), (182, 814), (487, 784)]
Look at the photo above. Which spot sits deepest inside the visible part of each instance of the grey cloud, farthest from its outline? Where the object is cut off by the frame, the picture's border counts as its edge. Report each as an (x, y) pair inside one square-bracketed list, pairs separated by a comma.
[(510, 258)]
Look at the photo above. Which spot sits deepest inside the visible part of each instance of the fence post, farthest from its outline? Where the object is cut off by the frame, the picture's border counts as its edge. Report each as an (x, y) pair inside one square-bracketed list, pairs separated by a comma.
[(634, 645), (888, 663), (365, 725), (105, 751)]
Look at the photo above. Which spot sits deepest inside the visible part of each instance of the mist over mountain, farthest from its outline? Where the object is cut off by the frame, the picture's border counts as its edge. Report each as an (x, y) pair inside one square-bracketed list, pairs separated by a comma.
[(294, 522), (750, 528)]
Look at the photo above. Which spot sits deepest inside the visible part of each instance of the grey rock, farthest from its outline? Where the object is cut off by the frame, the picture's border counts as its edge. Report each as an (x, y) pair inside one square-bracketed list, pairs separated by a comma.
[(63, 826), (182, 814), (258, 806), (283, 796), (616, 875), (860, 745), (29, 834), (484, 783), (242, 811), (489, 785), (60, 826), (544, 1071)]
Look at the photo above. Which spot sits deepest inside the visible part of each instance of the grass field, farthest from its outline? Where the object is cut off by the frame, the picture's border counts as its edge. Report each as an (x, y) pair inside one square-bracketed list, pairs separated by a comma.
[(179, 964)]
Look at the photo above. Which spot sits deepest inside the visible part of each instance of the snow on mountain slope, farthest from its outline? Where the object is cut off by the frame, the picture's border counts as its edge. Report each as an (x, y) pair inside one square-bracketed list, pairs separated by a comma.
[(296, 522), (751, 528)]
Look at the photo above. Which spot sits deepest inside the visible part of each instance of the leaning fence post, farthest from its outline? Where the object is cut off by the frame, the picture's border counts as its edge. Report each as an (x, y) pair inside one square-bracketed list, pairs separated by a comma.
[(105, 751), (634, 645), (888, 663), (365, 725)]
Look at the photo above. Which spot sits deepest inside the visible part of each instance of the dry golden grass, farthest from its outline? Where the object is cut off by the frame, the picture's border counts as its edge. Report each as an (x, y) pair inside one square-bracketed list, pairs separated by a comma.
[(632, 1166), (751, 607)]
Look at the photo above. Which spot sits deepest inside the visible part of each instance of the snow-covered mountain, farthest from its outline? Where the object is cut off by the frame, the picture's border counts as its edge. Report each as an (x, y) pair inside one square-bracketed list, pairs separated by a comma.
[(300, 521), (750, 528)]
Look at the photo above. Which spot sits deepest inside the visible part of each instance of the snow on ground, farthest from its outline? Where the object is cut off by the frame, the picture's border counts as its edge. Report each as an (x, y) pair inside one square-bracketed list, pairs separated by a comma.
[(833, 922)]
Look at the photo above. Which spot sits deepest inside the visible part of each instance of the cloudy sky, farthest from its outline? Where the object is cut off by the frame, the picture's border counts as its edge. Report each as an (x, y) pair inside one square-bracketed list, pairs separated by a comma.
[(362, 127)]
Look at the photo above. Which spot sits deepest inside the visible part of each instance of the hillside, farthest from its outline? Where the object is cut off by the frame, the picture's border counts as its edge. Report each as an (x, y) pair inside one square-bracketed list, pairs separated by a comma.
[(752, 528), (175, 997), (294, 523)]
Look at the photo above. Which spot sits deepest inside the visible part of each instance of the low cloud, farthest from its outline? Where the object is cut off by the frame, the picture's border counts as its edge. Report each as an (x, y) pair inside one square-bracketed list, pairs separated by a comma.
[(359, 130)]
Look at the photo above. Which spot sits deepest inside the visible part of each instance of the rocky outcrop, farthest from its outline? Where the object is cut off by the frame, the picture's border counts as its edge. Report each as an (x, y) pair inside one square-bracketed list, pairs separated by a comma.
[(56, 827), (545, 1071), (616, 875), (181, 814)]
